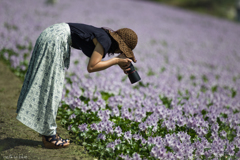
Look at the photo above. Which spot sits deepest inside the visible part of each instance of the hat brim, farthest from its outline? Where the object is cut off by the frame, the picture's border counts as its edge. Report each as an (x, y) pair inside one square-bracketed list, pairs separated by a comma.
[(122, 46)]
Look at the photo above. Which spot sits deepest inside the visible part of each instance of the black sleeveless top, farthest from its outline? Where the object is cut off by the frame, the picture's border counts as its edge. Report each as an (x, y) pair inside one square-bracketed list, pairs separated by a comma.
[(83, 34)]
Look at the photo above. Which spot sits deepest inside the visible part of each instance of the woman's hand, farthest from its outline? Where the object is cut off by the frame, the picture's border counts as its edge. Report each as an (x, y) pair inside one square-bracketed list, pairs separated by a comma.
[(124, 63)]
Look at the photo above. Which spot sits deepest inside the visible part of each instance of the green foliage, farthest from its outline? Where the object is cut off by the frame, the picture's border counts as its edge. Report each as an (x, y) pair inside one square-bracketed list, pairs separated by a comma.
[(106, 95), (150, 72), (214, 88), (204, 78), (200, 3), (162, 69), (179, 77), (124, 78), (10, 27), (166, 101), (219, 8), (192, 77), (234, 92)]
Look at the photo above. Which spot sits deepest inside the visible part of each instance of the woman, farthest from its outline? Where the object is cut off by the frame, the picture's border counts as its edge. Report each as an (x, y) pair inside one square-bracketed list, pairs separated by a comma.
[(43, 84)]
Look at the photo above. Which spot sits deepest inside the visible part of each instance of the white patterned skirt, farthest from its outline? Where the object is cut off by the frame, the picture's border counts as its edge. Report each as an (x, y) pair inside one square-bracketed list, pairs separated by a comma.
[(43, 84)]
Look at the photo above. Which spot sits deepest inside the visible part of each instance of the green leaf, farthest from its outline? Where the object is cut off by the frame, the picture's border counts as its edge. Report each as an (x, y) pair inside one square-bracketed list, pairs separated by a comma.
[(77, 111), (109, 149), (204, 78), (163, 69), (179, 77), (128, 151), (214, 88), (106, 95), (100, 147), (149, 147), (124, 78), (118, 146), (74, 129), (234, 92), (63, 121)]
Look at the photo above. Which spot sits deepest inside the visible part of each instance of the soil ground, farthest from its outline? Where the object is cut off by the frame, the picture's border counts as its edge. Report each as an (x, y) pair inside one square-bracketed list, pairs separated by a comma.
[(18, 141)]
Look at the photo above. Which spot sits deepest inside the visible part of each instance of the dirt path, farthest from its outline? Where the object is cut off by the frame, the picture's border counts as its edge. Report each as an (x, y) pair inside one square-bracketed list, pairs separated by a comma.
[(18, 141)]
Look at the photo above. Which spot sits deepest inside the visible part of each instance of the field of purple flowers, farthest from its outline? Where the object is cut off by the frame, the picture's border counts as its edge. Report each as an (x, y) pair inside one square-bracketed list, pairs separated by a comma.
[(187, 105)]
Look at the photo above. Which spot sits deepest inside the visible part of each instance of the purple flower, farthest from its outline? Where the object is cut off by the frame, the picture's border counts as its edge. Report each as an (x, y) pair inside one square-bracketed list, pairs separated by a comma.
[(68, 86), (109, 129), (23, 68), (72, 116), (118, 130), (161, 153), (97, 95), (88, 94), (94, 126), (137, 136), (69, 100), (142, 126), (144, 141), (238, 154), (115, 111), (179, 155), (126, 114), (138, 118), (95, 108), (170, 156), (101, 103), (231, 152), (75, 91), (77, 103), (83, 127), (101, 136), (210, 152), (153, 152), (117, 141), (151, 140), (160, 143), (103, 114), (136, 156), (84, 108), (125, 157), (128, 135), (111, 145), (69, 127), (215, 127), (223, 133)]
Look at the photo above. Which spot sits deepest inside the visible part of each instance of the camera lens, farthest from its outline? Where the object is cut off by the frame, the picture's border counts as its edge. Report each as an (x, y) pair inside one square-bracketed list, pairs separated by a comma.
[(133, 74)]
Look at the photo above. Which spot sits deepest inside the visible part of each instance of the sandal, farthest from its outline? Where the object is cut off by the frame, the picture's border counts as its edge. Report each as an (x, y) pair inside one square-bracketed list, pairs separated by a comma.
[(48, 142), (63, 140)]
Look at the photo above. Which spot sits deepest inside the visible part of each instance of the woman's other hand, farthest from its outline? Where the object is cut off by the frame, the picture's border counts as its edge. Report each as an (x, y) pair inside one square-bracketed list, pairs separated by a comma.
[(124, 63)]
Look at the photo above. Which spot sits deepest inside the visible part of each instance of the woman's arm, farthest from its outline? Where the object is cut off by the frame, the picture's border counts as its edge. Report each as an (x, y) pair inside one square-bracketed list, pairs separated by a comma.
[(95, 64)]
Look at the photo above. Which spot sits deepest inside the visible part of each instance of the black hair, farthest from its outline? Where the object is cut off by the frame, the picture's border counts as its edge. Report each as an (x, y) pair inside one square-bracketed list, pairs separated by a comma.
[(114, 45)]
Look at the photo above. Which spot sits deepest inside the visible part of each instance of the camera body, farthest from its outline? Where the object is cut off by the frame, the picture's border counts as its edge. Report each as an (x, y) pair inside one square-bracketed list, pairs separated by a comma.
[(133, 74)]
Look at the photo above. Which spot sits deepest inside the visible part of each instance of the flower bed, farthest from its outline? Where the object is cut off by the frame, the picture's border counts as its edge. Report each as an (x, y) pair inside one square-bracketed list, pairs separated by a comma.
[(187, 103)]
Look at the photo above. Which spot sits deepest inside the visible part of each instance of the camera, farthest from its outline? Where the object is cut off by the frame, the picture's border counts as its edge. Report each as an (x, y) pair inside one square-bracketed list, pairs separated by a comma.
[(133, 74)]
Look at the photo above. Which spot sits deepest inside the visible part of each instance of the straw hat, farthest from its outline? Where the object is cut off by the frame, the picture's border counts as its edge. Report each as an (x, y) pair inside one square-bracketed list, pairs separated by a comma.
[(127, 40)]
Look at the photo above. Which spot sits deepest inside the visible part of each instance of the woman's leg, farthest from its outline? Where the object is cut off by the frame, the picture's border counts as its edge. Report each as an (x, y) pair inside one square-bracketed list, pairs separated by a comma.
[(42, 89)]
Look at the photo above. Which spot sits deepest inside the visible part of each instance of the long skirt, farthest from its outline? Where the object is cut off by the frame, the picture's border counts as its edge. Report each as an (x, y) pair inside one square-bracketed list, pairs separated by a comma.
[(42, 88)]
